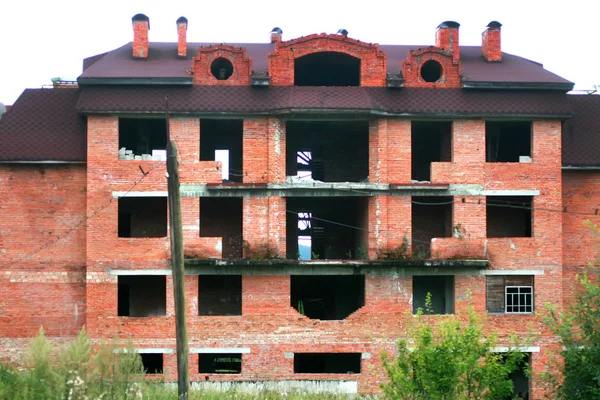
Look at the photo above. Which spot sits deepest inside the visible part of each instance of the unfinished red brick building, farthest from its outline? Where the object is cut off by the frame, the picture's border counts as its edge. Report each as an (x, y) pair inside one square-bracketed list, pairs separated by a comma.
[(328, 185)]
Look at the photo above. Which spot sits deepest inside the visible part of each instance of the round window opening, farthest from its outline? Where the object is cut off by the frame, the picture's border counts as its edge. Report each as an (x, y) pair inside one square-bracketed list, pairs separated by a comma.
[(431, 71), (221, 68)]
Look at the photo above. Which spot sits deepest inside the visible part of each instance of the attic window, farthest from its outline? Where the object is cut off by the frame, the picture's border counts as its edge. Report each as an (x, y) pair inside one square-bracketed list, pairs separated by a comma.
[(327, 69), (221, 68), (431, 71)]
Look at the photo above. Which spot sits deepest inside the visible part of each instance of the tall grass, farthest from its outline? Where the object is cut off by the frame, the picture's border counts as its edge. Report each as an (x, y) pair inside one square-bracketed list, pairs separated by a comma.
[(80, 371)]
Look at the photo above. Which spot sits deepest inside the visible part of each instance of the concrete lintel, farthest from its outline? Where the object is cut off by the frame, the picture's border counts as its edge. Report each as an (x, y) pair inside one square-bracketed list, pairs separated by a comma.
[(366, 356), (512, 272), (219, 350), (533, 192), (140, 272), (148, 350), (158, 193), (292, 267), (478, 190), (506, 349), (313, 189)]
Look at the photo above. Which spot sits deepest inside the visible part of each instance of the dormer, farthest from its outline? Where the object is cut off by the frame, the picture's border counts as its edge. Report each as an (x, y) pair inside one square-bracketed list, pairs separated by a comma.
[(327, 60), (435, 66), (222, 65)]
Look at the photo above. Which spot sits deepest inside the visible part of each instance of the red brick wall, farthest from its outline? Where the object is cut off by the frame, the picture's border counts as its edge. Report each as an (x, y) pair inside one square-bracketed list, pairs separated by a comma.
[(581, 197), (42, 250)]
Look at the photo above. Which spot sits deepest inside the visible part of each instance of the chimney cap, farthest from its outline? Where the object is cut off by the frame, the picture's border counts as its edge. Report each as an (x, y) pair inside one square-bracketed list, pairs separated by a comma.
[(449, 24), (494, 25), (182, 20), (276, 30), (342, 32), (140, 18)]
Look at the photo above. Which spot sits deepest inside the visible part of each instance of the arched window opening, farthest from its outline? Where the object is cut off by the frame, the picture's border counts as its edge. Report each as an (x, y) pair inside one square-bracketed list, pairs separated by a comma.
[(327, 69)]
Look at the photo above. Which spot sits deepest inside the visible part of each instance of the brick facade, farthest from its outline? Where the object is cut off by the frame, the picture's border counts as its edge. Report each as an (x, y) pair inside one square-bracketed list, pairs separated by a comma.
[(75, 280)]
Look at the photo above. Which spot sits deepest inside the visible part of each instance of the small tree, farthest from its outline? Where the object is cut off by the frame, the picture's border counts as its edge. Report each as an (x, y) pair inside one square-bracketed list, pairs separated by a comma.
[(450, 361), (578, 330)]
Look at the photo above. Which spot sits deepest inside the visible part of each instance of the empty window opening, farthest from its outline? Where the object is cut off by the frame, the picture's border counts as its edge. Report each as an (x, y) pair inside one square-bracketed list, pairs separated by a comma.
[(141, 295), (431, 218), (520, 379), (509, 216), (327, 297), (439, 289), (223, 157), (328, 151), (221, 140), (304, 165), (219, 295), (431, 142), (431, 71), (304, 236), (327, 69), (221, 68), (327, 363), (225, 363), (511, 294), (152, 363), (142, 139), (330, 228), (142, 217), (508, 141), (222, 217)]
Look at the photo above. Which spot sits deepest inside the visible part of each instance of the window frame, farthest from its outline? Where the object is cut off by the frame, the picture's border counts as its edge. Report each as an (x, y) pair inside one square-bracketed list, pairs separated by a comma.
[(517, 296)]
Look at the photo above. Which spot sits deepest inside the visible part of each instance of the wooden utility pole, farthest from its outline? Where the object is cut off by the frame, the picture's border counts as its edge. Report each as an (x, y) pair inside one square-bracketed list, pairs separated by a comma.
[(177, 266)]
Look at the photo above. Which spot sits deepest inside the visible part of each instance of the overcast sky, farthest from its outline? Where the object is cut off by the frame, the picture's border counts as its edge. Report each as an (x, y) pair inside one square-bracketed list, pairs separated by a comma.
[(44, 39)]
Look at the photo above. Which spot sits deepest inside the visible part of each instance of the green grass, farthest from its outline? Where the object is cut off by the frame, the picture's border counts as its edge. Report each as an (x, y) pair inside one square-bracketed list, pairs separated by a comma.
[(80, 371)]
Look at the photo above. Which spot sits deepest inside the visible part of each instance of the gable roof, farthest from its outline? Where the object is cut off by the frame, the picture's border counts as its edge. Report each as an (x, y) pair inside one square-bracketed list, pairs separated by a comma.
[(163, 66), (581, 134), (43, 125)]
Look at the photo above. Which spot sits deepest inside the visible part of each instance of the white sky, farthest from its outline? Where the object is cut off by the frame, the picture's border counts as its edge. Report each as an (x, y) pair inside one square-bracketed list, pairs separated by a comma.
[(44, 39)]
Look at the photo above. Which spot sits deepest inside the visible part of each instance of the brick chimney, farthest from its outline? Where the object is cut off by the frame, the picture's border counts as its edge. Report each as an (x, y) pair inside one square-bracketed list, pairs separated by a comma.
[(446, 37), (182, 23), (141, 26), (490, 42), (276, 35)]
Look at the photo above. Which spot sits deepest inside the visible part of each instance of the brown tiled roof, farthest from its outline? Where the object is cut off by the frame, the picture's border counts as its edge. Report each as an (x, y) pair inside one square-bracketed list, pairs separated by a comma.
[(353, 100), (581, 134), (163, 63), (43, 125)]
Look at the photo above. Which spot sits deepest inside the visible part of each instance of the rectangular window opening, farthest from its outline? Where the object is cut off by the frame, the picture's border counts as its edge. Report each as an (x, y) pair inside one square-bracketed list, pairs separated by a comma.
[(439, 288), (508, 141), (327, 297), (326, 228), (219, 295), (215, 363), (327, 363), (431, 142), (152, 363), (509, 216), (510, 294), (431, 218), (142, 139), (141, 295), (142, 217), (221, 140), (223, 157), (327, 151), (222, 217)]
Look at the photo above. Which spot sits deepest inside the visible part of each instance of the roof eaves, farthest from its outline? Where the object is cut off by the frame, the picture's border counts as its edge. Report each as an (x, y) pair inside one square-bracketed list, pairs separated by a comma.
[(562, 86), (135, 81)]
